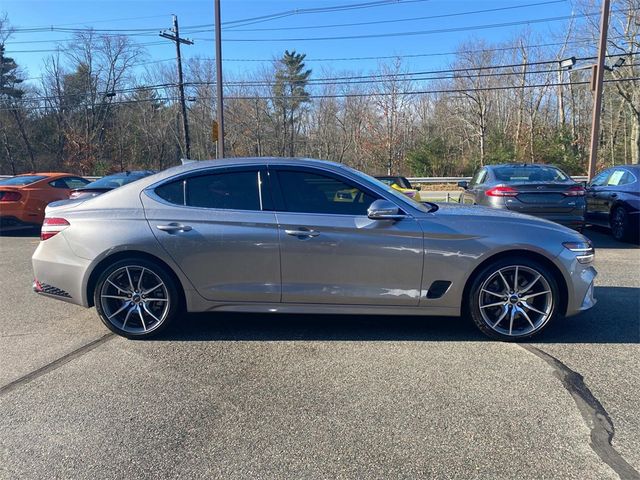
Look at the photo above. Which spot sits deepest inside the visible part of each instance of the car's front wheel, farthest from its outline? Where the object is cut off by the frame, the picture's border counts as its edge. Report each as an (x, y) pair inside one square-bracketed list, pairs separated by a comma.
[(620, 228), (513, 299), (136, 298)]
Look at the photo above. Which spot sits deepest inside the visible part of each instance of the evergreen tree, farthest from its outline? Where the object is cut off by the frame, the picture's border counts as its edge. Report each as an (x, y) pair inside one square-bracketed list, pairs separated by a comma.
[(290, 93)]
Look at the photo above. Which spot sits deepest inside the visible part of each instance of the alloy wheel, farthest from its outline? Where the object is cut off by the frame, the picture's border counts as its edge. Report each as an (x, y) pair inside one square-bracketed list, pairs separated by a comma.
[(516, 301), (134, 299)]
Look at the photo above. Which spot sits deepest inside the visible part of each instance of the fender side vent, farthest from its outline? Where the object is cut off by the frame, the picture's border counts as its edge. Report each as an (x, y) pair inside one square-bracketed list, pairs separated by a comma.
[(51, 290), (438, 288)]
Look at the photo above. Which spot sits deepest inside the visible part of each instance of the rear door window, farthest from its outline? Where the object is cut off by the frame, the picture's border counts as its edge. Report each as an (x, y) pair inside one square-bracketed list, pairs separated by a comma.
[(232, 190)]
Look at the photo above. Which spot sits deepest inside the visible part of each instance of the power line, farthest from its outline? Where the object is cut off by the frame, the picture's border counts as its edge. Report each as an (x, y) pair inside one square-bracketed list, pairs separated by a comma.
[(306, 11), (412, 19), (414, 33), (366, 94)]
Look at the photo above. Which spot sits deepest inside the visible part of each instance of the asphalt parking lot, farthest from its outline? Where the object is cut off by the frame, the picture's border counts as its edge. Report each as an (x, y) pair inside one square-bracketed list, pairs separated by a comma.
[(256, 396)]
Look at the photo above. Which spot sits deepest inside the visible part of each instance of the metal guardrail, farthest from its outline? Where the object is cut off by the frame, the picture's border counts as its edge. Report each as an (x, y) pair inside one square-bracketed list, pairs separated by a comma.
[(577, 178)]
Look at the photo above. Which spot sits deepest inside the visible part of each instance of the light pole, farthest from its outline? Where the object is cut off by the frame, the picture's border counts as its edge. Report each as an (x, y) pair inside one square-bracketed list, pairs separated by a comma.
[(220, 115)]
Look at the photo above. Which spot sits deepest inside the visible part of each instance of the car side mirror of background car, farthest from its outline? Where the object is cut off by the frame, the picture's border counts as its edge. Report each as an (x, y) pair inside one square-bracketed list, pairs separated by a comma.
[(463, 184), (418, 188), (384, 210)]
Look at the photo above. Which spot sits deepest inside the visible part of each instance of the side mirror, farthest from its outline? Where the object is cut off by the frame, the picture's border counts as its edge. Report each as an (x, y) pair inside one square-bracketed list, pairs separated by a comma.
[(463, 184), (418, 188), (384, 210)]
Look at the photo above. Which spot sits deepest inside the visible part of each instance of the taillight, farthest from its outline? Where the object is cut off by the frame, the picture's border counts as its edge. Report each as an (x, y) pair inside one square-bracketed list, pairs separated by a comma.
[(52, 226), (575, 191), (502, 192), (10, 196)]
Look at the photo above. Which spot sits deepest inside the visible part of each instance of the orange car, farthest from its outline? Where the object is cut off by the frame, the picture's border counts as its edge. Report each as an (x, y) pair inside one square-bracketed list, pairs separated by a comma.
[(23, 198)]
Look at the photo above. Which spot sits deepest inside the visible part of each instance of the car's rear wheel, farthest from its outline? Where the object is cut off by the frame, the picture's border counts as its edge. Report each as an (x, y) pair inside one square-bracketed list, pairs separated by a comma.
[(513, 299), (620, 228), (136, 298)]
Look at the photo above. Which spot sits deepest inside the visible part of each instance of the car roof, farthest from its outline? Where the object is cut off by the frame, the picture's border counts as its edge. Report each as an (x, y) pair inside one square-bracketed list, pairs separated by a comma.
[(513, 165), (239, 161)]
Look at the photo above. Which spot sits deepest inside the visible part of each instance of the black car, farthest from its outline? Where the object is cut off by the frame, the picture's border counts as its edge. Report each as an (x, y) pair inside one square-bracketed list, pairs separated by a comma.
[(534, 189), (613, 201), (107, 183)]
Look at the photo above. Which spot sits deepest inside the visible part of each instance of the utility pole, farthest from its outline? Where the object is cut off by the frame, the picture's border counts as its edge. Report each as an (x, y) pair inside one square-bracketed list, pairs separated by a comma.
[(175, 37), (597, 85), (220, 149)]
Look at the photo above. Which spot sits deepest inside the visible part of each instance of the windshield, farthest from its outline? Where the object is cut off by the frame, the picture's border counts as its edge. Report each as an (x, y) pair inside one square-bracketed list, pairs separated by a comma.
[(529, 174), (423, 207), (117, 180), (22, 180)]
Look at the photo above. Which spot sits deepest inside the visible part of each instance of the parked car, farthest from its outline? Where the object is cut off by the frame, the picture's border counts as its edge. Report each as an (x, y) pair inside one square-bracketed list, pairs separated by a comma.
[(613, 201), (107, 183), (401, 184), (271, 235), (23, 198), (534, 189)]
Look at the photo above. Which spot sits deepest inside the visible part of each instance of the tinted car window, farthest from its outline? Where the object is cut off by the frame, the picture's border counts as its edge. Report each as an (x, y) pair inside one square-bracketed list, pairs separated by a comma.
[(75, 182), (476, 177), (529, 174), (600, 179), (118, 179), (22, 180), (619, 177), (229, 191), (307, 192), (58, 183)]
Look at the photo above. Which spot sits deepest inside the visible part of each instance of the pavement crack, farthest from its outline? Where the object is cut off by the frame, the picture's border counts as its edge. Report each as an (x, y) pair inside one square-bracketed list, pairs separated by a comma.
[(593, 413), (49, 367)]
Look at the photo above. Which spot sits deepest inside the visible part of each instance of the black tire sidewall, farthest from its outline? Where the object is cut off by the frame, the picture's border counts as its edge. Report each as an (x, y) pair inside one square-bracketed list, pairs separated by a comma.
[(172, 291), (625, 224), (472, 300)]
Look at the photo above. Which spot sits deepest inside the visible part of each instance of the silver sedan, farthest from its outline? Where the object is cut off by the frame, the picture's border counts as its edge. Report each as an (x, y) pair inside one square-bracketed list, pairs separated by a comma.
[(304, 236)]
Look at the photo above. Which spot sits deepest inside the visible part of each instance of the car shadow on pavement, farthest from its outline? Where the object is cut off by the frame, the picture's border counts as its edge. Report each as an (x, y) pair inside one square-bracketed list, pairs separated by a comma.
[(601, 238), (19, 232), (615, 319)]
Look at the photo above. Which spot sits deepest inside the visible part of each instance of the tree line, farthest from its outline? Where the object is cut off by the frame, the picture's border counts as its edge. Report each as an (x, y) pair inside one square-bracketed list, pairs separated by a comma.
[(100, 106)]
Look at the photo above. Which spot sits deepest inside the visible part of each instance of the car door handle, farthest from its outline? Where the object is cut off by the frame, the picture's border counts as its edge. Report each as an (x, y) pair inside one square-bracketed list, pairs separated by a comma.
[(174, 227), (613, 195), (302, 233)]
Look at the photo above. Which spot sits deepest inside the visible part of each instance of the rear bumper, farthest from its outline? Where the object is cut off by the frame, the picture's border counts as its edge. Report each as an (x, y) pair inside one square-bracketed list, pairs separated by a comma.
[(58, 272)]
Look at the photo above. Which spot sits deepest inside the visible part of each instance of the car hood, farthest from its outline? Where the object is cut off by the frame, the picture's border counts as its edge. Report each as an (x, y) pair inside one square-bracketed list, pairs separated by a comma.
[(476, 214)]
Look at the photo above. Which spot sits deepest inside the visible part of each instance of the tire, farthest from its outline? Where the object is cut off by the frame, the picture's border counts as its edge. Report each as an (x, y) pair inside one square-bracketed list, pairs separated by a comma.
[(491, 304), (136, 298), (620, 227)]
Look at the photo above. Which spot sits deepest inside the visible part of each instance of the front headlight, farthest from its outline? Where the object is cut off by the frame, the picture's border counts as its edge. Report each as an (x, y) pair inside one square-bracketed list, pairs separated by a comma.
[(585, 253)]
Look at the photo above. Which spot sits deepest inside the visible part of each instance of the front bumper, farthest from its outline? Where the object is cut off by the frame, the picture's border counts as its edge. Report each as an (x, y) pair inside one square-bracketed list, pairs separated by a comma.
[(580, 280)]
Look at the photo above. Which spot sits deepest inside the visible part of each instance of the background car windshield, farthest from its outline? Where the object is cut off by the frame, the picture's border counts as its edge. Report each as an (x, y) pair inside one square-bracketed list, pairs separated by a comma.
[(117, 180), (22, 180), (529, 174), (423, 207)]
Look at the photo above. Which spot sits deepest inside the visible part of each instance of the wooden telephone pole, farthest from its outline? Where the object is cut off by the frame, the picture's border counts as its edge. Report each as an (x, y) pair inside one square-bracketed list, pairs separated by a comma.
[(175, 37), (597, 85)]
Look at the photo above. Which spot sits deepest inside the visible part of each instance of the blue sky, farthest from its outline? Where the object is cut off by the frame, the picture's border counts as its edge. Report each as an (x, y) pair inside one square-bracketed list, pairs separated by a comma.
[(265, 44)]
